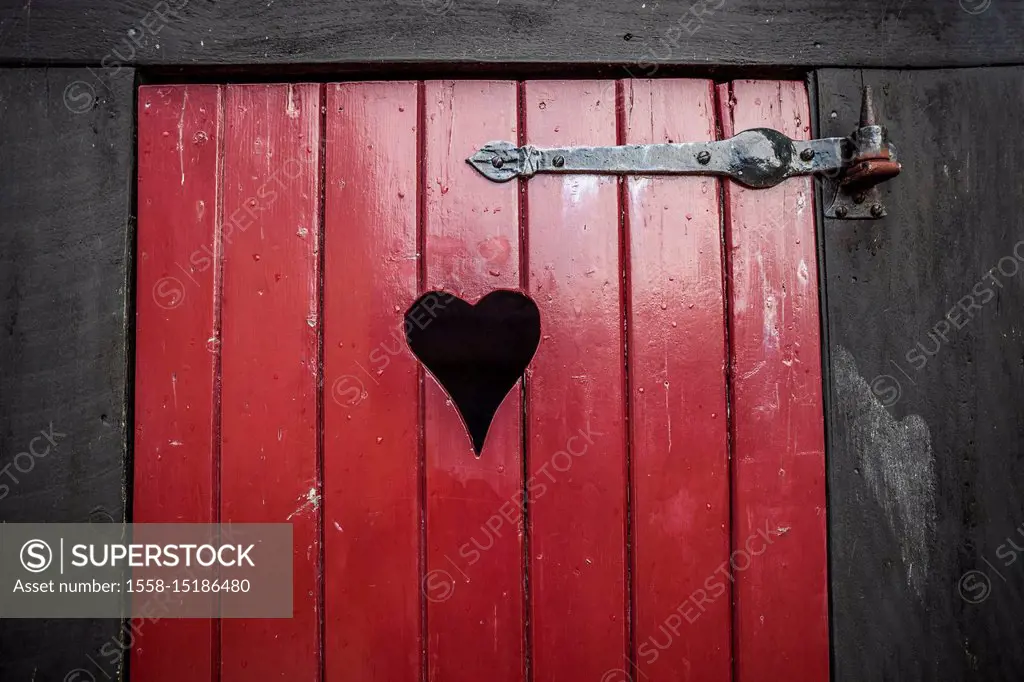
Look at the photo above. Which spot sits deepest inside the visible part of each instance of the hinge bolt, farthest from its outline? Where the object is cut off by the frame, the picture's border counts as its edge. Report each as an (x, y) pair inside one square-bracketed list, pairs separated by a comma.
[(704, 158), (807, 154), (841, 211), (867, 108), (497, 162), (859, 198), (559, 161), (876, 210)]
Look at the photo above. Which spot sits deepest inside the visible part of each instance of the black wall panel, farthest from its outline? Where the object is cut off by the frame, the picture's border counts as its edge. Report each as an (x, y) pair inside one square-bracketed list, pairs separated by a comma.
[(66, 171), (644, 35), (926, 347)]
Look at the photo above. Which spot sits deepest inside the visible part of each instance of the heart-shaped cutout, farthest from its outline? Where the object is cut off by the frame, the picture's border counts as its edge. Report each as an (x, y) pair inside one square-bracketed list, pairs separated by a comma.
[(476, 352)]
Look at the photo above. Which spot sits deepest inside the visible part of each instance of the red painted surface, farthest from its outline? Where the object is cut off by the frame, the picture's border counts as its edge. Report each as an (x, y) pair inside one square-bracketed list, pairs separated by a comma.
[(778, 433), (428, 568), (270, 359), (679, 428), (176, 347), (371, 391), (576, 431), (474, 581)]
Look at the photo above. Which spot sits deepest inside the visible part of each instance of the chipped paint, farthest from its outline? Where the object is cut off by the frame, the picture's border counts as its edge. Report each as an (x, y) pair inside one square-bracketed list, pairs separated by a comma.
[(770, 309), (310, 502), (181, 136), (801, 203), (579, 189), (801, 272), (291, 110), (770, 327), (896, 461), (637, 188)]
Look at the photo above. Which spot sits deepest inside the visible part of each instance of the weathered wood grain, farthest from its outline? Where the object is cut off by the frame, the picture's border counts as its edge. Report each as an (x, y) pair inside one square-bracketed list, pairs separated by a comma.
[(270, 373), (927, 364), (177, 346), (678, 424), (65, 253), (371, 402), (576, 461), (475, 570), (644, 36), (779, 559)]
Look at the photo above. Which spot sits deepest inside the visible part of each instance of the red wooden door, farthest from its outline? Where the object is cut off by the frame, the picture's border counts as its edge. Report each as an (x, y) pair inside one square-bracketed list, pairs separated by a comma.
[(649, 503)]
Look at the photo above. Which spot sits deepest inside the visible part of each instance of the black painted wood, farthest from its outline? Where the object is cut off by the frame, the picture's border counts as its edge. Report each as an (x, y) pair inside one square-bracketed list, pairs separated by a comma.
[(645, 36), (926, 427), (66, 171)]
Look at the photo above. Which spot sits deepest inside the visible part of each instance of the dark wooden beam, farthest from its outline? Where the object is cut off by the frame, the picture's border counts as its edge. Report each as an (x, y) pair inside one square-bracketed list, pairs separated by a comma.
[(645, 37), (66, 172), (926, 454)]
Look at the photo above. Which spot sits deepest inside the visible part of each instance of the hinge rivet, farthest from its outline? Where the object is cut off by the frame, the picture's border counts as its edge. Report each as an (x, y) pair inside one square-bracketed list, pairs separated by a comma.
[(704, 158), (497, 162), (876, 210), (841, 211), (559, 161), (807, 154), (859, 198)]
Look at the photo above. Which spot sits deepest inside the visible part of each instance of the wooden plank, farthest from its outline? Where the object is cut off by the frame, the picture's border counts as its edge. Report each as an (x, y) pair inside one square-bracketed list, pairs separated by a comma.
[(177, 346), (678, 428), (474, 579), (270, 359), (371, 415), (644, 38), (779, 563), (925, 344), (65, 258), (576, 436)]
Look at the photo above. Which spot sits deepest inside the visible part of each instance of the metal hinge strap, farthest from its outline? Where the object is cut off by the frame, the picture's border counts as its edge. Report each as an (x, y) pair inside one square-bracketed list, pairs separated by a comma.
[(757, 158)]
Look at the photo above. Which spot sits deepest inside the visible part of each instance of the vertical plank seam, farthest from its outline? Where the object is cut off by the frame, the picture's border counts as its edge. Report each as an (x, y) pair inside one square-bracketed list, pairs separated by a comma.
[(625, 328), (421, 278), (814, 116), (321, 242), (218, 303), (721, 110), (524, 282), (130, 311), (129, 359)]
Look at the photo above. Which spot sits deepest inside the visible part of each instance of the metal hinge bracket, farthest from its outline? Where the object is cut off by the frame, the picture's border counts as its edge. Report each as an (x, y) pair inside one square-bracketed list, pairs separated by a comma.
[(851, 167)]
